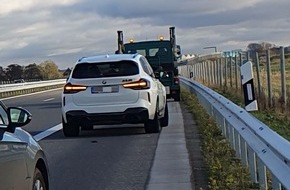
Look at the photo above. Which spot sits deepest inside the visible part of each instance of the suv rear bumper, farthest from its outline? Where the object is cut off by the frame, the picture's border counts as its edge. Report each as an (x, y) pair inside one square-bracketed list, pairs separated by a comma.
[(130, 115)]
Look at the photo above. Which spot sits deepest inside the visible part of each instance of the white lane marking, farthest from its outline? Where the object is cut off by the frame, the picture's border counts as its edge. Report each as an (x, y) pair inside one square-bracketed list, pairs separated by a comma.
[(48, 132), (30, 94), (49, 99)]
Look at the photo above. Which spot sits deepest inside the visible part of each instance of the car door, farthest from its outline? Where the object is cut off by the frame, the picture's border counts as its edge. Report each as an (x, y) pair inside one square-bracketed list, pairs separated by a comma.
[(13, 170)]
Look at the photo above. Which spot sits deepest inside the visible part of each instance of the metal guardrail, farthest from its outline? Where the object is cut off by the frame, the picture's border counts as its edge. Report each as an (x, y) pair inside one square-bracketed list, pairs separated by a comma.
[(260, 149), (28, 87)]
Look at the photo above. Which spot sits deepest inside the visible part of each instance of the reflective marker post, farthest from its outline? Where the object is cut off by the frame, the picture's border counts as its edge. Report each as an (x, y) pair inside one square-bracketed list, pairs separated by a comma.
[(248, 86)]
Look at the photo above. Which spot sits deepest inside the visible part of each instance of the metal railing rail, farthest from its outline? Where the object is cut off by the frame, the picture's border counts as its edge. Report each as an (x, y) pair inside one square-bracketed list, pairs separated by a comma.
[(260, 149), (28, 87)]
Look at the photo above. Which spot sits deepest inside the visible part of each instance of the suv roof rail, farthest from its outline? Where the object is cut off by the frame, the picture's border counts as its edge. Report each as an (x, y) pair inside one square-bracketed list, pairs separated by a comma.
[(81, 59), (135, 55)]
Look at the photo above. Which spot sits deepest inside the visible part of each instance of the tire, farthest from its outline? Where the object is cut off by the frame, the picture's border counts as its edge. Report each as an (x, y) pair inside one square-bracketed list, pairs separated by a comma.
[(153, 126), (164, 120), (177, 97), (70, 129), (38, 181)]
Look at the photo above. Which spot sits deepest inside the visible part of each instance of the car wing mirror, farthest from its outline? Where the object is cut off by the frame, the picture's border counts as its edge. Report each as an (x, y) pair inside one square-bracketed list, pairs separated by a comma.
[(18, 117)]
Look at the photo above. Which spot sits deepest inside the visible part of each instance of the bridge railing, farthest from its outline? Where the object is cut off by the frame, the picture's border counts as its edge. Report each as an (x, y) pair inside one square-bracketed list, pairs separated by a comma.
[(260, 149)]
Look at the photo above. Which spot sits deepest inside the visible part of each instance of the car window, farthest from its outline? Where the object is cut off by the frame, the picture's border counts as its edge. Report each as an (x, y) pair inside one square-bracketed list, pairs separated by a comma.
[(161, 52), (146, 66), (153, 51), (139, 51), (3, 116), (106, 69)]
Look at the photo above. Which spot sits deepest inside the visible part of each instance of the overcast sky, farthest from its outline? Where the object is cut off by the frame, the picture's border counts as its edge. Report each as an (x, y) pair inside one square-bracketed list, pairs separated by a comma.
[(32, 31)]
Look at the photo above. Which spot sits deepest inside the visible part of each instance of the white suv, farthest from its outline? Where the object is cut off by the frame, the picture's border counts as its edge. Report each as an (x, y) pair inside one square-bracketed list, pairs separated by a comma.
[(113, 89)]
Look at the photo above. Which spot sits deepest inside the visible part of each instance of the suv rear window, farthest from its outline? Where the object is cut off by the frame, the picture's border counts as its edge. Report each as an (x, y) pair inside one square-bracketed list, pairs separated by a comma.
[(105, 69)]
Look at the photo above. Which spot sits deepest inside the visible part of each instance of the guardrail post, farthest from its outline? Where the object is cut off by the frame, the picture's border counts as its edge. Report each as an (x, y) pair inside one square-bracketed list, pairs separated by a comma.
[(275, 183), (238, 144), (262, 173), (244, 154), (252, 165), (232, 136)]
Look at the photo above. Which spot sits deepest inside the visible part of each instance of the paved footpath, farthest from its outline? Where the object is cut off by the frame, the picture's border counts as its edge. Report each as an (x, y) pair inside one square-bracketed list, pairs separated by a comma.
[(172, 167)]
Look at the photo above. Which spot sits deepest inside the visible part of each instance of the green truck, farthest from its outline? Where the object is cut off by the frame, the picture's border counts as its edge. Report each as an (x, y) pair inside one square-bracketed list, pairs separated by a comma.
[(162, 55)]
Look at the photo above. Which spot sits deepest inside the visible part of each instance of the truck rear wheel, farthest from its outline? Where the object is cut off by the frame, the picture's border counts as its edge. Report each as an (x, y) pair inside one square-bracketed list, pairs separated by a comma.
[(177, 96)]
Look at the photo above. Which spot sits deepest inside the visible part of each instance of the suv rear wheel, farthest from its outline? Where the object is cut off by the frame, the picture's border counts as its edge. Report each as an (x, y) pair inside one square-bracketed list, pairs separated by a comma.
[(153, 126), (70, 129), (164, 120)]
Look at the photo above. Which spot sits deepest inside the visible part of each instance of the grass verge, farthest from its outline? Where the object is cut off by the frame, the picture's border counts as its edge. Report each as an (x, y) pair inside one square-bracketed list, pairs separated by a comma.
[(224, 170)]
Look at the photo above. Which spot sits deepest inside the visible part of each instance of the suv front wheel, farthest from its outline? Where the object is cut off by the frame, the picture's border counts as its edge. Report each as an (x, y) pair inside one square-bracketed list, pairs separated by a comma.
[(38, 181)]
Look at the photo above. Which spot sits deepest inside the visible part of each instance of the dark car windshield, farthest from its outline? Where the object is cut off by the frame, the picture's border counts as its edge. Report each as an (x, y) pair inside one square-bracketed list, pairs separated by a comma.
[(105, 69)]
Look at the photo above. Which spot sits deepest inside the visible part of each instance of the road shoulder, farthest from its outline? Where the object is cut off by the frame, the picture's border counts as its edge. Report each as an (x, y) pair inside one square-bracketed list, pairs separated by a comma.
[(193, 144)]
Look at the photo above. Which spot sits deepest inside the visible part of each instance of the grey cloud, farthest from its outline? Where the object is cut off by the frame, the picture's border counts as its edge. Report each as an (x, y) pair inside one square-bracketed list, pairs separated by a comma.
[(65, 33)]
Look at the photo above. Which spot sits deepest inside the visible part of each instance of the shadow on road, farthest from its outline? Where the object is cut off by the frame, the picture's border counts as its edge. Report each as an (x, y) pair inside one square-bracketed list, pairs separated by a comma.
[(101, 131)]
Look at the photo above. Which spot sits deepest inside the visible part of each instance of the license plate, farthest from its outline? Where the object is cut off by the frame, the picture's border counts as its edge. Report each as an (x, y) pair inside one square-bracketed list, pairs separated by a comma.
[(104, 89), (167, 90)]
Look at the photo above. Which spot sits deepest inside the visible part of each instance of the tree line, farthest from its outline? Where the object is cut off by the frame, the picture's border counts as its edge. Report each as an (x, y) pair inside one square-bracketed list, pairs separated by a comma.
[(274, 51), (45, 71), (263, 46)]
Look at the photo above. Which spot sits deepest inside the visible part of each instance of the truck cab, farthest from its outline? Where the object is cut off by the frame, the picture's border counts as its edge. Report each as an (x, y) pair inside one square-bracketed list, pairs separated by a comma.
[(163, 57)]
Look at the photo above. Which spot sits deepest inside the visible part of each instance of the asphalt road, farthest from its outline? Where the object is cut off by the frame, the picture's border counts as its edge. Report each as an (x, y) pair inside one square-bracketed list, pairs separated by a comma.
[(45, 108), (116, 157)]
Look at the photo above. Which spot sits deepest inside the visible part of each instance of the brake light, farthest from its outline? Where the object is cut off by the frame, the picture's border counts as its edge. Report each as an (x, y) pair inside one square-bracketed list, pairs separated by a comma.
[(176, 80), (137, 85), (73, 88)]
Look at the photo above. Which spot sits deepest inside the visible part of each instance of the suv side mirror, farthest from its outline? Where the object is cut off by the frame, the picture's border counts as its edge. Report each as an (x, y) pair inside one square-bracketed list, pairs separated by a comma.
[(18, 117), (157, 75)]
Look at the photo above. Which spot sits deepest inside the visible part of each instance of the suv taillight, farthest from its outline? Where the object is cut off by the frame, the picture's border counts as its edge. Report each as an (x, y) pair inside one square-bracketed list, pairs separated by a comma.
[(73, 88), (176, 80), (138, 85)]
